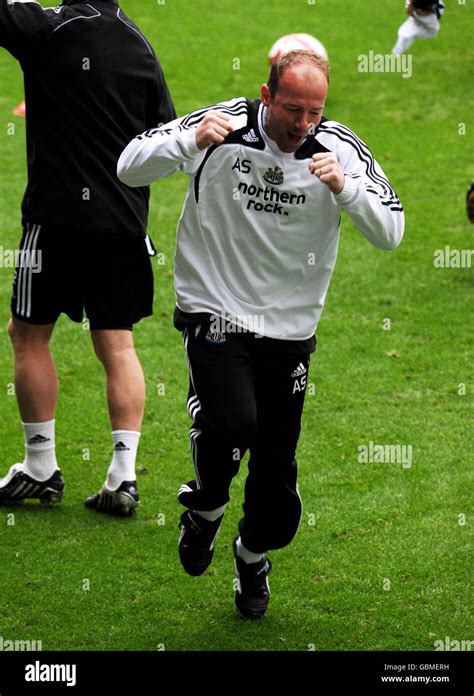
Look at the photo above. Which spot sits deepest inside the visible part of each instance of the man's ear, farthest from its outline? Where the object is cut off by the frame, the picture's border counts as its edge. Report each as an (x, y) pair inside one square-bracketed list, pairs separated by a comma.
[(265, 95)]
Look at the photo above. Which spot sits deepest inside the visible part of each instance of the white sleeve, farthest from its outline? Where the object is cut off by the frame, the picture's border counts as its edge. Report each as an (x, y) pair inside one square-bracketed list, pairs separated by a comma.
[(159, 152), (367, 196)]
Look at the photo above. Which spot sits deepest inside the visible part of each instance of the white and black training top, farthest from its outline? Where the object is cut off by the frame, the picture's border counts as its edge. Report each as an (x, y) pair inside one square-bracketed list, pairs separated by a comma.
[(258, 234)]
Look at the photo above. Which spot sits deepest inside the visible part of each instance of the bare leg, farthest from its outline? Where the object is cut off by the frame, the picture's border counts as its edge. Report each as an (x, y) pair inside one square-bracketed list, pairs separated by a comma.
[(37, 392), (126, 400), (36, 382), (125, 380)]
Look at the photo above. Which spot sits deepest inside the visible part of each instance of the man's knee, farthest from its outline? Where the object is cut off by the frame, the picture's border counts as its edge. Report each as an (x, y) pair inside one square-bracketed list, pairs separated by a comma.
[(11, 330), (112, 345), (238, 426), (271, 525), (28, 336)]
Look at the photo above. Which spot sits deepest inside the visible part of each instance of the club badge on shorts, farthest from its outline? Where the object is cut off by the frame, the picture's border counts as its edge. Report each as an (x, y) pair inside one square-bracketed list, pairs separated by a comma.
[(215, 337)]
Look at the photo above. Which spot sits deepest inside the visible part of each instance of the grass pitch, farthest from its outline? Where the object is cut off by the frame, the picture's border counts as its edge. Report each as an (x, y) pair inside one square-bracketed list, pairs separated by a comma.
[(381, 558)]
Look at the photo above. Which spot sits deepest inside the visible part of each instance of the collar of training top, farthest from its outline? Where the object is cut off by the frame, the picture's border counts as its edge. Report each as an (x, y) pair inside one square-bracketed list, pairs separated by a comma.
[(82, 2)]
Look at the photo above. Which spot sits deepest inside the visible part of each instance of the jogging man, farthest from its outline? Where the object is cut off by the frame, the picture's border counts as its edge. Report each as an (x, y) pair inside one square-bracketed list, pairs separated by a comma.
[(92, 81), (256, 247), (422, 23)]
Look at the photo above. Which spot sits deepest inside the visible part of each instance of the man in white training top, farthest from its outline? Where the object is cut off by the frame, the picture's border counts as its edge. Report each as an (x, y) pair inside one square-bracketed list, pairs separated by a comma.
[(256, 246)]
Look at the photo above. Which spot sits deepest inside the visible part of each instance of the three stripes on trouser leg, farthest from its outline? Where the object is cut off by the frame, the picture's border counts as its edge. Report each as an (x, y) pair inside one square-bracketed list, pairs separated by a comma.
[(194, 406)]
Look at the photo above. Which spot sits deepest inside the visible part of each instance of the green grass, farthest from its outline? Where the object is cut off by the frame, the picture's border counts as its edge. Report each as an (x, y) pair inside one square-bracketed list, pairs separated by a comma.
[(372, 522)]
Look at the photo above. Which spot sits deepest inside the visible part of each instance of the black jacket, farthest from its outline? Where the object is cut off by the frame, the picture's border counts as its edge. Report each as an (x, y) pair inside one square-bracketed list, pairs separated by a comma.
[(92, 82)]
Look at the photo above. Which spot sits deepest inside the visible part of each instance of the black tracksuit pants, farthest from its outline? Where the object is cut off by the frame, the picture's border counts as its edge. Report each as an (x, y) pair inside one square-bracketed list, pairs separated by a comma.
[(245, 396)]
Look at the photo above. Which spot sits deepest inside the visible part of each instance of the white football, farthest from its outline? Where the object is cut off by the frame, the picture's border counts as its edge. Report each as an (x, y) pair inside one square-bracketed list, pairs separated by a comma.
[(293, 42)]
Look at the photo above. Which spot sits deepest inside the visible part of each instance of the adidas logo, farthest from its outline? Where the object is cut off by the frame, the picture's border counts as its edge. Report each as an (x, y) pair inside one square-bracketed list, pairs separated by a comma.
[(38, 440), (300, 370), (250, 137), (121, 447)]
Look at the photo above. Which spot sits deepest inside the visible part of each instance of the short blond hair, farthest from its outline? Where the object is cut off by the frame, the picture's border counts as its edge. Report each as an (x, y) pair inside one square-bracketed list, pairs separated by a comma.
[(298, 56)]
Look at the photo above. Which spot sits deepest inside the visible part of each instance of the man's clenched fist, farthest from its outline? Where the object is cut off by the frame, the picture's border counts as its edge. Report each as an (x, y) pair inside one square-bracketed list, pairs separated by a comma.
[(213, 129), (325, 166)]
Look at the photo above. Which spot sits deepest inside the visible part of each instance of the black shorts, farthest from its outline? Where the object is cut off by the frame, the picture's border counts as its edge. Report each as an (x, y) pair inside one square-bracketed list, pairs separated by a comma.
[(65, 270)]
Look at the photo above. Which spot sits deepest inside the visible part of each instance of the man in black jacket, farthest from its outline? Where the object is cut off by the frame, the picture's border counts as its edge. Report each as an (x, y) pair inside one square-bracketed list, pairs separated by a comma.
[(92, 82)]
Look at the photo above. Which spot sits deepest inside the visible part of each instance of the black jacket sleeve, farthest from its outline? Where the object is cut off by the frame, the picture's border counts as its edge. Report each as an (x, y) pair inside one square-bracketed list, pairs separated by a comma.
[(22, 23)]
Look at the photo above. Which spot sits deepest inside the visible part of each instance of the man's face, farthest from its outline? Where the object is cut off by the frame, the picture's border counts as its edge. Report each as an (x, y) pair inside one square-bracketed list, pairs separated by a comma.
[(297, 106)]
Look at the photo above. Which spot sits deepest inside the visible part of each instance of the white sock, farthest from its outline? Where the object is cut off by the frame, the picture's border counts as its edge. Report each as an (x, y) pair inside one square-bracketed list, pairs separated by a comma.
[(122, 466), (211, 515), (40, 450), (246, 555)]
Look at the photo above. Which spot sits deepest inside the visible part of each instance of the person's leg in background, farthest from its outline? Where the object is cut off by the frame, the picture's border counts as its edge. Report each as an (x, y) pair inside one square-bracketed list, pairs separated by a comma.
[(423, 27), (118, 293), (126, 403), (35, 307), (407, 33), (36, 388)]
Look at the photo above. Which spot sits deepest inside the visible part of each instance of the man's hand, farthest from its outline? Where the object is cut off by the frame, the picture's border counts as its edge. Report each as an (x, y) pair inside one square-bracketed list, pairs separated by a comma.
[(328, 170), (213, 129)]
